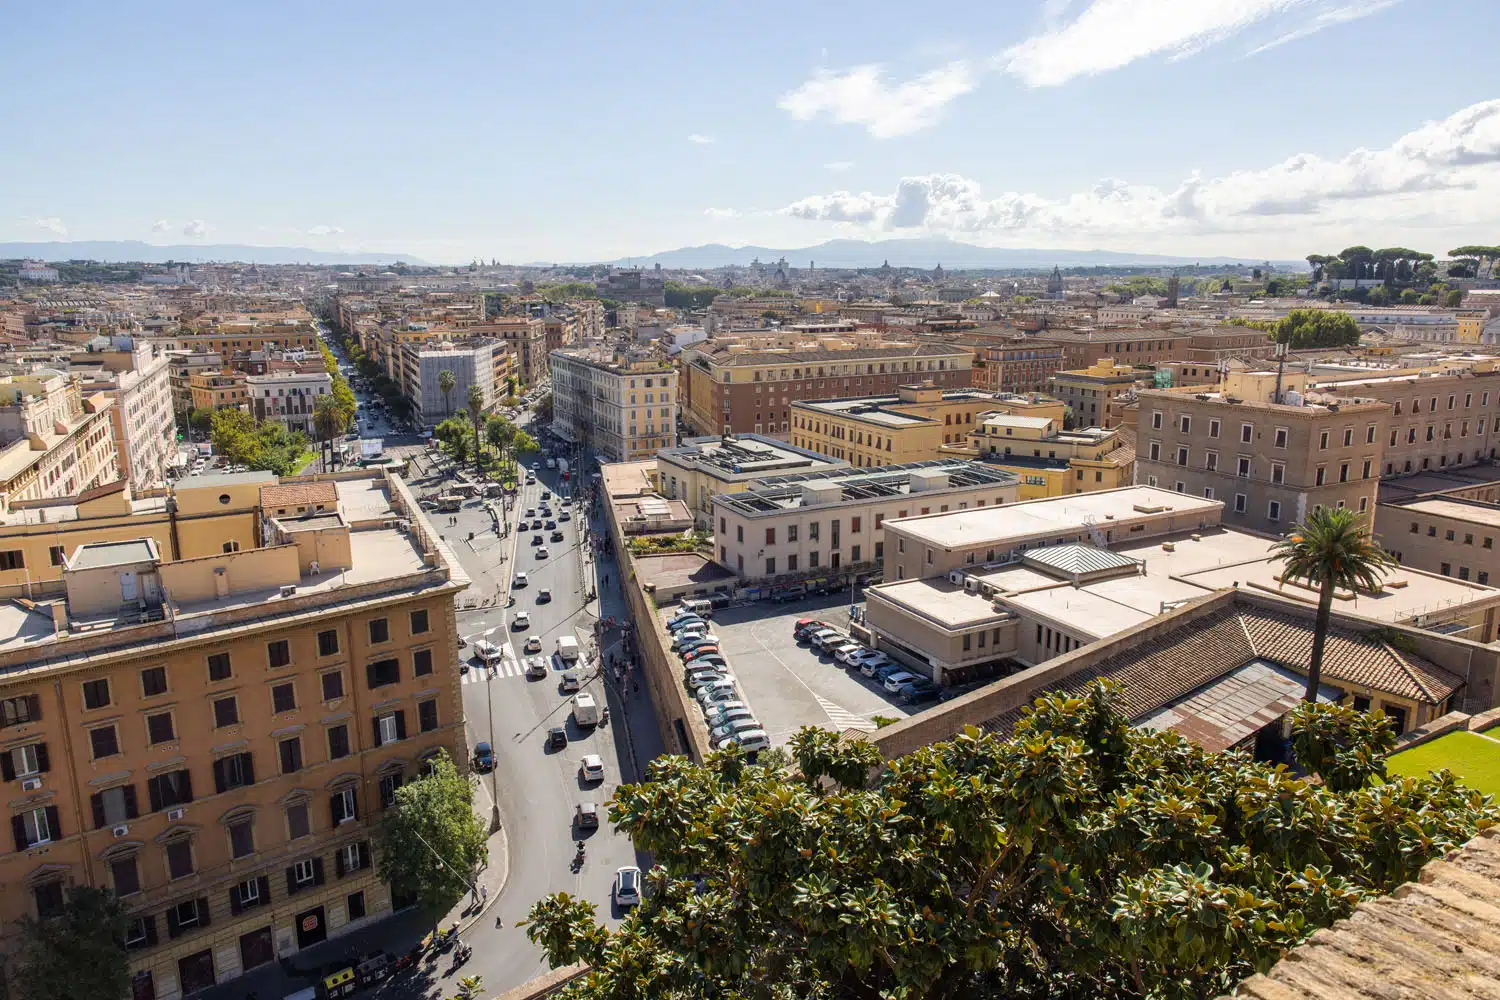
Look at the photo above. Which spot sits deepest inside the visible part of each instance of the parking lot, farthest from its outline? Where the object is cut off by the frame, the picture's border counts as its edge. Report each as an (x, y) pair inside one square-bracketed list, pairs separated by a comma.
[(789, 686)]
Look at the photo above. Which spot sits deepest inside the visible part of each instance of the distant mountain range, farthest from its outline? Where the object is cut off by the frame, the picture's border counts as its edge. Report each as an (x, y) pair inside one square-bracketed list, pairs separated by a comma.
[(923, 253), (131, 251)]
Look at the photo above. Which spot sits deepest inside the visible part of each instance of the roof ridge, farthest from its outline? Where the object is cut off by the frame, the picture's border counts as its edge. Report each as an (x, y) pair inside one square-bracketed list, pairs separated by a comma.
[(1406, 668), (1239, 617)]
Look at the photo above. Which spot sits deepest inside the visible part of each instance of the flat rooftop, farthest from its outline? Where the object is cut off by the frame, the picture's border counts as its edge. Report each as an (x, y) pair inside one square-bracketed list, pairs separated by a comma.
[(364, 500), (222, 479), (746, 457), (1080, 610), (97, 555), (1052, 516), (1478, 513), (948, 604), (785, 492)]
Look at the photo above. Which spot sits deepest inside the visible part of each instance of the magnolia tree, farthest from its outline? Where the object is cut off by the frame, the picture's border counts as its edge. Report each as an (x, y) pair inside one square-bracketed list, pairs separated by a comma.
[(1077, 858)]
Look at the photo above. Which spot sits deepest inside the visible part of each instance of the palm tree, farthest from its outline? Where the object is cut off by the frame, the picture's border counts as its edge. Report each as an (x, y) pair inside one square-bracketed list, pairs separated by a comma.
[(494, 435), (328, 422), (1332, 550), (446, 381), (476, 410)]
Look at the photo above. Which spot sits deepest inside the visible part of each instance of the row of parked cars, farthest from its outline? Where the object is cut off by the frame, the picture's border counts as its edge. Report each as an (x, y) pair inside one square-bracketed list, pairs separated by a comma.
[(706, 671), (840, 647)]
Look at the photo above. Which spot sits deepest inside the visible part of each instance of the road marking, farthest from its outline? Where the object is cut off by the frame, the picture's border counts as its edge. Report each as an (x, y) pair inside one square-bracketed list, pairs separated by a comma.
[(842, 717)]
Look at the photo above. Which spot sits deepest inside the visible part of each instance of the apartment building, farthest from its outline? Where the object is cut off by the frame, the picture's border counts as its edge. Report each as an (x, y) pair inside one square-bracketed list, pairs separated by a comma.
[(700, 469), (527, 336), (55, 440), (735, 391), (1271, 463), (1049, 461), (143, 417), (288, 397), (472, 363), (226, 338), (1086, 348), (181, 366), (1212, 345), (914, 425), (1017, 365), (1450, 531), (787, 530), (214, 738), (1097, 395), (620, 405), (218, 389)]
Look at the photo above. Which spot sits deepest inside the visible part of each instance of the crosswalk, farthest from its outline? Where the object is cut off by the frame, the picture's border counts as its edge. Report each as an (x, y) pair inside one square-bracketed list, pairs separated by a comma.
[(509, 666), (842, 718)]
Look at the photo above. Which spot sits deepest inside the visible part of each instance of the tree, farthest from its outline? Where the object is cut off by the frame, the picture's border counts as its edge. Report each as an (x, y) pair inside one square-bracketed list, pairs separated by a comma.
[(1343, 745), (1078, 858), (79, 955), (1332, 550), (1316, 328), (234, 436), (1379, 296), (328, 424), (430, 843), (446, 382), (1485, 255), (202, 421), (475, 403)]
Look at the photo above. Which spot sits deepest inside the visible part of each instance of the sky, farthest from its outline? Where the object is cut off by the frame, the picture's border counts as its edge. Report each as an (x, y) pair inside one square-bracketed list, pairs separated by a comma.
[(577, 132)]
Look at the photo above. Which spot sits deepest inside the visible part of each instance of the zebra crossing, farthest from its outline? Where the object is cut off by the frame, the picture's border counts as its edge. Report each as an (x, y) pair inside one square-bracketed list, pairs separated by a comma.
[(508, 666), (842, 718)]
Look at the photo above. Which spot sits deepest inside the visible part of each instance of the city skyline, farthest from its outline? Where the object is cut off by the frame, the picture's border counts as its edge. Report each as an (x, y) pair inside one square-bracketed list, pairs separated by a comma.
[(1245, 128)]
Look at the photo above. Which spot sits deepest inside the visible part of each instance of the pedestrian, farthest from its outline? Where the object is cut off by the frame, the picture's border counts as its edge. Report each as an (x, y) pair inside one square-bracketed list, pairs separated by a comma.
[(484, 894)]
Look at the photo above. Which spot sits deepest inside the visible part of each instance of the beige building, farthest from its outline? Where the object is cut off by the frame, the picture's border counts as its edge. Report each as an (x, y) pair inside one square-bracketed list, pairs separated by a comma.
[(288, 397), (143, 416), (1096, 394), (788, 530), (55, 441), (218, 389), (700, 469), (916, 424), (1450, 531), (1049, 461), (526, 336), (1271, 463), (214, 737), (622, 406)]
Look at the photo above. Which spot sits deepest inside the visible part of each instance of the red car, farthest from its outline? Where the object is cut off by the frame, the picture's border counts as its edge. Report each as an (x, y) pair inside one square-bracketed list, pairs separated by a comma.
[(700, 651)]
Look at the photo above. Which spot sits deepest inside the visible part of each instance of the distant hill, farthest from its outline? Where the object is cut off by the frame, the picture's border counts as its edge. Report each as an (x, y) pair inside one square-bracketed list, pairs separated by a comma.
[(923, 253), (131, 251)]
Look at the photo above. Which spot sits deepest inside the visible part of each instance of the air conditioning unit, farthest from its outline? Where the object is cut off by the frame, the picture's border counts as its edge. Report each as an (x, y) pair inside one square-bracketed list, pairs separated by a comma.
[(120, 830), (955, 576), (173, 815), (971, 586), (31, 784), (288, 589)]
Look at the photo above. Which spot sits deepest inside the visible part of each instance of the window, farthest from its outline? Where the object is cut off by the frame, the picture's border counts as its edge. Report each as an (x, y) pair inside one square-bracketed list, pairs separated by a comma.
[(241, 838), (356, 906), (1447, 569), (303, 874), (153, 681), (427, 715), (1155, 451), (770, 536), (1239, 503), (125, 877), (159, 728), (1463, 572), (771, 566), (35, 826), (1156, 420), (333, 685), (388, 785), (739, 532), (284, 698), (226, 712), (383, 672), (342, 806), (250, 893), (235, 771), (338, 742), (1213, 428), (103, 741), (218, 667), (290, 751), (352, 857), (1185, 424), (1273, 511), (175, 788), (297, 822), (19, 711), (390, 727), (13, 559), (1247, 432), (55, 555), (49, 898), (1278, 472), (421, 663), (96, 693), (1244, 468), (279, 652), (25, 761), (1484, 577), (380, 630), (1348, 436), (1343, 472), (180, 861), (1322, 476), (328, 642), (230, 546), (1182, 456), (1370, 434), (1281, 437), (419, 622)]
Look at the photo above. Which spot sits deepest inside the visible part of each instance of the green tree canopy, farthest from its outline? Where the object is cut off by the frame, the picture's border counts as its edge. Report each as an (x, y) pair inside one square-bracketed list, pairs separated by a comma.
[(1078, 858), (430, 843), (1317, 328), (680, 296), (79, 955)]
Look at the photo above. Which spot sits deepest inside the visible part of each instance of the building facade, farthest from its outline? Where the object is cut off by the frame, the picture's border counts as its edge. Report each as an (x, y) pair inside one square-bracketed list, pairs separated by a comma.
[(700, 469), (143, 417), (55, 441), (1019, 365), (622, 406), (470, 363), (1096, 394), (288, 397)]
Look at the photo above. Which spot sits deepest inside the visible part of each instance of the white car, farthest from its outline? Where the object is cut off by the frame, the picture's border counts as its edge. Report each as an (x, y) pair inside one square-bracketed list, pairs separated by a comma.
[(520, 580), (533, 644), (719, 690), (698, 679), (592, 767), (628, 886), (487, 652), (748, 740), (847, 651), (715, 714), (893, 683), (720, 733), (542, 553), (522, 620)]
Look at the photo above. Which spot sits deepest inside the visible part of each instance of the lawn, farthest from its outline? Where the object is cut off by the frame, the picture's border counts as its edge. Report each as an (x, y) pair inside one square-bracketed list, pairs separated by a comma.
[(1475, 759)]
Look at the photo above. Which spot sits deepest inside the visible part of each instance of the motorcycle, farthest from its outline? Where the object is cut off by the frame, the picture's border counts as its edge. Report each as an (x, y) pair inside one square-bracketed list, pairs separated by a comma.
[(578, 858), (462, 954)]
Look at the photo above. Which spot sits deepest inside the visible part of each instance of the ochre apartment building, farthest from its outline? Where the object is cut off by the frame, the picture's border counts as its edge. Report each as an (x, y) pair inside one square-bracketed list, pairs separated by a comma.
[(213, 732)]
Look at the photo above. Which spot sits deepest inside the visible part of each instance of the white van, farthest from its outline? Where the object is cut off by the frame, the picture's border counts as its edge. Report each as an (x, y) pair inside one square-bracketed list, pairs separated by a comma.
[(585, 710)]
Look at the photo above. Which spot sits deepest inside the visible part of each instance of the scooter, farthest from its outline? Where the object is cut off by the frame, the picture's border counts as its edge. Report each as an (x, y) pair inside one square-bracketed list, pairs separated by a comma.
[(462, 954)]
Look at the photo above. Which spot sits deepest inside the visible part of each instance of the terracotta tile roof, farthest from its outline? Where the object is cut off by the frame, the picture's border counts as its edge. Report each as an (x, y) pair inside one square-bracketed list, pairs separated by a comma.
[(1436, 937), (298, 494), (724, 357), (1170, 666)]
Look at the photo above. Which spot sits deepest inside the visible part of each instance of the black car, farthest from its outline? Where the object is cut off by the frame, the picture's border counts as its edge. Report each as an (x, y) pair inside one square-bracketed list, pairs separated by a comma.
[(557, 738), (536, 539), (536, 525), (551, 525), (557, 536)]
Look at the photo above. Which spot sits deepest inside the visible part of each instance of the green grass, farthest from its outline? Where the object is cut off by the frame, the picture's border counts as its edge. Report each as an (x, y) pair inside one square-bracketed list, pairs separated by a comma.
[(1473, 758)]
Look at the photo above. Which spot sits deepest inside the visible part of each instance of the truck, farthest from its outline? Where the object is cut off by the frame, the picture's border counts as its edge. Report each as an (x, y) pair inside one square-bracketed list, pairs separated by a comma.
[(567, 648), (371, 447), (585, 710)]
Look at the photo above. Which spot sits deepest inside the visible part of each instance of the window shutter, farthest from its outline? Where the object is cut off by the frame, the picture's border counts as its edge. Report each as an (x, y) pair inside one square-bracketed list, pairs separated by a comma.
[(150, 923), (400, 724), (153, 793), (173, 927), (221, 782), (333, 809), (53, 826), (265, 890), (354, 803), (317, 871), (97, 801), (364, 854), (18, 827), (7, 766), (234, 901), (43, 763), (376, 729), (338, 863), (187, 786), (34, 701), (132, 809), (203, 920), (247, 760), (291, 881)]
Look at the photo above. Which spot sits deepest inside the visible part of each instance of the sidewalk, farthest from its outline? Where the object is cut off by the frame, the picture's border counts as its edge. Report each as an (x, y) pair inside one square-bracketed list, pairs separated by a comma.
[(467, 912)]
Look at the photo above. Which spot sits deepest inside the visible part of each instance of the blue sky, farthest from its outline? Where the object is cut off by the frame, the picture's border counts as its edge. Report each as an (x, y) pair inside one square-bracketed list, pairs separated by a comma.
[(1255, 128)]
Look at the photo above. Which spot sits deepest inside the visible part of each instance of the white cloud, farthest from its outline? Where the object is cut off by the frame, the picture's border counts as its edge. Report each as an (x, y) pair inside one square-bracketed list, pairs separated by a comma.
[(839, 166), (1325, 19), (1110, 34), (50, 223), (160, 226), (701, 140), (325, 231), (861, 96), (1442, 173), (722, 213), (195, 229)]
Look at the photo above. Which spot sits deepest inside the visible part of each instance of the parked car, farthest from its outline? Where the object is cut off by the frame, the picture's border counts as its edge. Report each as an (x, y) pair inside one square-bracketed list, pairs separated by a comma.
[(673, 620), (700, 650), (709, 661), (697, 679), (484, 758), (521, 621), (899, 679), (721, 690), (721, 710), (920, 689), (860, 659), (804, 633), (749, 740), (592, 767), (869, 665), (885, 670), (828, 640), (731, 727), (628, 886), (689, 639), (533, 644), (847, 652)]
